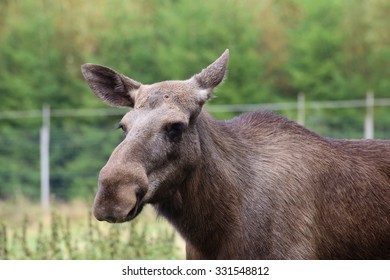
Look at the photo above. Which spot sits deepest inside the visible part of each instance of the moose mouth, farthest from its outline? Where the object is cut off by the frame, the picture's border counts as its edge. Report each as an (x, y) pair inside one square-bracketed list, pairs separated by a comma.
[(130, 216), (136, 209), (133, 213)]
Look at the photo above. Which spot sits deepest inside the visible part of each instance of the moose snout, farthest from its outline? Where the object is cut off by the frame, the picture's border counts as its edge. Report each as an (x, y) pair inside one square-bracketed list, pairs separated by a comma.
[(119, 199), (118, 209)]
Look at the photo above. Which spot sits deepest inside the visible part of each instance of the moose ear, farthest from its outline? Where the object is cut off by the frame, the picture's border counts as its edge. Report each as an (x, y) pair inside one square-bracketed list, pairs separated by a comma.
[(113, 88), (211, 76)]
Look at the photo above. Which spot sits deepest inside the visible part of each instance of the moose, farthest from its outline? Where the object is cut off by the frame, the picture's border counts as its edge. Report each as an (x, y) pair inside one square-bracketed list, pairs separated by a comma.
[(258, 186)]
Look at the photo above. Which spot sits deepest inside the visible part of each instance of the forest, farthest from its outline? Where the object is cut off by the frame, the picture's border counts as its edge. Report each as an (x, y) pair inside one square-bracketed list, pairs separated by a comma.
[(330, 50)]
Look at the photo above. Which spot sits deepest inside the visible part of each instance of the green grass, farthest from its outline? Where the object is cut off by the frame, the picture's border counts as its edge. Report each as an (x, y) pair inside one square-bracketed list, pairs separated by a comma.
[(69, 231)]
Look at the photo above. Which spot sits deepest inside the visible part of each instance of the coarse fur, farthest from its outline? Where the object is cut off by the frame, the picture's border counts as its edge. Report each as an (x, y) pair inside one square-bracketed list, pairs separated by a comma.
[(258, 186)]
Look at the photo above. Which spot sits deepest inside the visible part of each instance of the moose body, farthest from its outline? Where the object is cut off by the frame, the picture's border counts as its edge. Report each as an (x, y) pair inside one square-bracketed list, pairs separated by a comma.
[(258, 186)]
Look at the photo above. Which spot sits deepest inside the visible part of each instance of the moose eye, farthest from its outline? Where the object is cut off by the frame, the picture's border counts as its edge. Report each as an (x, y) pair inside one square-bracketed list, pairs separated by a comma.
[(175, 131)]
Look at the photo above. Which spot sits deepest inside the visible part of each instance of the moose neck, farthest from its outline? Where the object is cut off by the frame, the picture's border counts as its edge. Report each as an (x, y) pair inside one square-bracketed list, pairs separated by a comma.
[(206, 206)]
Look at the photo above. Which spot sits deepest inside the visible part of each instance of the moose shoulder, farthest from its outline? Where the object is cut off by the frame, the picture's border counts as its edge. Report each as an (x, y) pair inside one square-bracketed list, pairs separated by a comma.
[(255, 187)]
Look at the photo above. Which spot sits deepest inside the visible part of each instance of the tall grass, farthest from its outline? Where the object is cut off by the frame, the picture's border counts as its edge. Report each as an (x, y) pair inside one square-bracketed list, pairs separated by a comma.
[(72, 235)]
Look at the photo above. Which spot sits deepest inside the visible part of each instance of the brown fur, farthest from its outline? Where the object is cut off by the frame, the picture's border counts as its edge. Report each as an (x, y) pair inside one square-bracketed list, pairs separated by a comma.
[(255, 187)]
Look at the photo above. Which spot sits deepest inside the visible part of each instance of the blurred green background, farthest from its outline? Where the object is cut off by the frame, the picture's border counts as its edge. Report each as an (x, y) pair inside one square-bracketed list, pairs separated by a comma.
[(330, 50)]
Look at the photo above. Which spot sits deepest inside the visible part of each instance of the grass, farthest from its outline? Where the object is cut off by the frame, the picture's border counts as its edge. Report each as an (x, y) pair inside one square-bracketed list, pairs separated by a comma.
[(69, 231)]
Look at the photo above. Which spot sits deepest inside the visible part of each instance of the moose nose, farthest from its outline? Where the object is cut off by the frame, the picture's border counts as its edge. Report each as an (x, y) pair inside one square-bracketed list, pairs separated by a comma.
[(121, 190), (118, 206)]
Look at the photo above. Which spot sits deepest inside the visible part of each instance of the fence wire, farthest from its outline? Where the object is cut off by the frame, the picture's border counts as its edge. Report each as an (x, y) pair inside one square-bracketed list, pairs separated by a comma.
[(82, 140)]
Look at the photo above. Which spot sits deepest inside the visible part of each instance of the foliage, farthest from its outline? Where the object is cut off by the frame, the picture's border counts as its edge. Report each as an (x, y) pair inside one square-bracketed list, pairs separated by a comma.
[(66, 236), (331, 50)]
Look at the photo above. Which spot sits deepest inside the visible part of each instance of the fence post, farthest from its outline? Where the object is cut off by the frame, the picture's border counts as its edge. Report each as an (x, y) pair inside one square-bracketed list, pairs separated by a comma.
[(44, 151), (301, 108), (369, 119)]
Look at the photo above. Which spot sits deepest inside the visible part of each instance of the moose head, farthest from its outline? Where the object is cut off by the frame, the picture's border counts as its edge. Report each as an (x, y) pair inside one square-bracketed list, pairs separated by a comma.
[(161, 144)]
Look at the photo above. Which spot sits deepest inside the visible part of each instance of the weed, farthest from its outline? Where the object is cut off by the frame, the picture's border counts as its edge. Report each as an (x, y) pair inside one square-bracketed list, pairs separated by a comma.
[(63, 237), (3, 242)]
